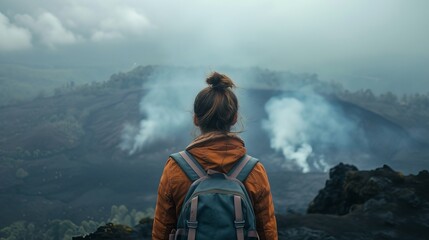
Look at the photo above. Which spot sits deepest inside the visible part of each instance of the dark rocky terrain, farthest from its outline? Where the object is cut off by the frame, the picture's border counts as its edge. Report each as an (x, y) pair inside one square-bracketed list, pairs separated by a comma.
[(375, 204), (60, 160)]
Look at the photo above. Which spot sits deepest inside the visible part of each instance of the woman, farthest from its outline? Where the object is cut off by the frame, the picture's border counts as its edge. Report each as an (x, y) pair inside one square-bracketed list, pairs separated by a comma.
[(218, 149)]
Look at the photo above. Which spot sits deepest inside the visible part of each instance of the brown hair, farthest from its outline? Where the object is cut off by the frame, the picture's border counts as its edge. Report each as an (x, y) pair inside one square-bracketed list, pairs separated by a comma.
[(216, 106)]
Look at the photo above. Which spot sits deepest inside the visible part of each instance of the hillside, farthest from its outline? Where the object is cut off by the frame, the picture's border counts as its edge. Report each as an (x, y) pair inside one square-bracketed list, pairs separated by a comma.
[(61, 156), (19, 83)]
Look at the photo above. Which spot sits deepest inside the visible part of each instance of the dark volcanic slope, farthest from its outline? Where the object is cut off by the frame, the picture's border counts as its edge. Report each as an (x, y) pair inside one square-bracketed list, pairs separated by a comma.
[(59, 156)]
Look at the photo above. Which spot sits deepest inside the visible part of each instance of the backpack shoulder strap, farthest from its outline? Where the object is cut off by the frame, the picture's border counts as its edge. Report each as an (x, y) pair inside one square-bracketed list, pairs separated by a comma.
[(189, 165), (243, 167)]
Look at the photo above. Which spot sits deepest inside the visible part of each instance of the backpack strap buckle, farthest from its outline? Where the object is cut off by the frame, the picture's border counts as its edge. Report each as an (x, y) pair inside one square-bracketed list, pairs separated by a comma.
[(192, 224), (239, 224), (243, 168)]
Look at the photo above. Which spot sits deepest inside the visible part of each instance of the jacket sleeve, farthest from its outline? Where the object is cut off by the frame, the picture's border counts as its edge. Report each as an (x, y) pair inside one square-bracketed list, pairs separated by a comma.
[(260, 191), (165, 210)]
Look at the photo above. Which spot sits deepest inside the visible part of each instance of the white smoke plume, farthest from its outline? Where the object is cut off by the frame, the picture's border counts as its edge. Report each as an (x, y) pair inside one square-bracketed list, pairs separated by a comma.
[(296, 123), (166, 110)]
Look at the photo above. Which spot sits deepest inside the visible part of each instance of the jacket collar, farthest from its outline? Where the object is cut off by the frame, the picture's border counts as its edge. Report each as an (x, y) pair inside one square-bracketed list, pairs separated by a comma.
[(217, 150), (206, 138)]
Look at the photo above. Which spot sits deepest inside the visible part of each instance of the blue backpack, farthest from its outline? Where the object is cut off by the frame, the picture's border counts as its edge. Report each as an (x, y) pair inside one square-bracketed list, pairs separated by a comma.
[(217, 205)]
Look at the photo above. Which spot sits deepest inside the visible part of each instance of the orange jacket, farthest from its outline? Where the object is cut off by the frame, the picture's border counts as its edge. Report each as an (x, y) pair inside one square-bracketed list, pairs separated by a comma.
[(219, 152)]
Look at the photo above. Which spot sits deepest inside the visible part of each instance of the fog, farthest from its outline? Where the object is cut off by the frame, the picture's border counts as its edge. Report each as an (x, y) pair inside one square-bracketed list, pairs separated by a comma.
[(380, 45)]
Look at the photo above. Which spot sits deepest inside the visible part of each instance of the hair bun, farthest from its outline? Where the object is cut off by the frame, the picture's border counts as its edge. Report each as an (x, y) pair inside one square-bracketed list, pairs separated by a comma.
[(219, 81)]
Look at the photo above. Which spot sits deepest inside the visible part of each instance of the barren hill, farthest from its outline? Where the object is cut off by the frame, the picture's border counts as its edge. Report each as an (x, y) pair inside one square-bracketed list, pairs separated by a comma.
[(60, 155)]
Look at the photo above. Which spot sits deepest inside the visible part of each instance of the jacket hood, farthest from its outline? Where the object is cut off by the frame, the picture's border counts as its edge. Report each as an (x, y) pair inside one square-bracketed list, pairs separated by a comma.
[(217, 150)]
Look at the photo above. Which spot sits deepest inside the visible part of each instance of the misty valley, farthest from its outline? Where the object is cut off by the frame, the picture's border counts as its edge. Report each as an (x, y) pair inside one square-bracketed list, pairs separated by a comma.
[(92, 153)]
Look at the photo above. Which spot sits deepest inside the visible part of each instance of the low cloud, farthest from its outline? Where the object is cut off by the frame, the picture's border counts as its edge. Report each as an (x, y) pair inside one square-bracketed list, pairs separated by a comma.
[(49, 29), (12, 36), (73, 23), (126, 20), (123, 22)]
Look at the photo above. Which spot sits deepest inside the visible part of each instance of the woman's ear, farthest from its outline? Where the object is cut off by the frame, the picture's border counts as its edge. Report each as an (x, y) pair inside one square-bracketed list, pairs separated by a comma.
[(234, 120), (196, 121)]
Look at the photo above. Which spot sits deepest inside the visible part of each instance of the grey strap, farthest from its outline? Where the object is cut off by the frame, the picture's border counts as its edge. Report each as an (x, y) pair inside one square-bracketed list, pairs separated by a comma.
[(172, 235), (240, 167), (253, 234), (239, 222), (192, 223), (180, 232), (192, 164)]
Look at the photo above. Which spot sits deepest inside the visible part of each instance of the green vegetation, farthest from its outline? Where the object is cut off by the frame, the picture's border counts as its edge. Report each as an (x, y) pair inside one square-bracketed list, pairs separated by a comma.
[(21, 173), (415, 101), (121, 215), (410, 110), (65, 229), (53, 230)]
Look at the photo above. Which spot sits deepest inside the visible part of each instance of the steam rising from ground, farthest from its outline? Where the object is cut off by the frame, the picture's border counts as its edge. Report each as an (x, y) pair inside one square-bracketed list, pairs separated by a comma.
[(166, 109), (162, 119), (296, 123)]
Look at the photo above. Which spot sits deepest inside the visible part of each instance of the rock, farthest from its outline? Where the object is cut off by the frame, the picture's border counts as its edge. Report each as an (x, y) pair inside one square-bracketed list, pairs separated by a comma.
[(111, 231), (408, 196), (122, 232), (144, 228), (387, 204), (348, 187), (330, 200), (374, 204), (303, 233)]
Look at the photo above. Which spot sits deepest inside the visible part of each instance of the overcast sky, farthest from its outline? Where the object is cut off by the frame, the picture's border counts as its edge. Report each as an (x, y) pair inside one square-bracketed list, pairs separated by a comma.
[(380, 44)]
